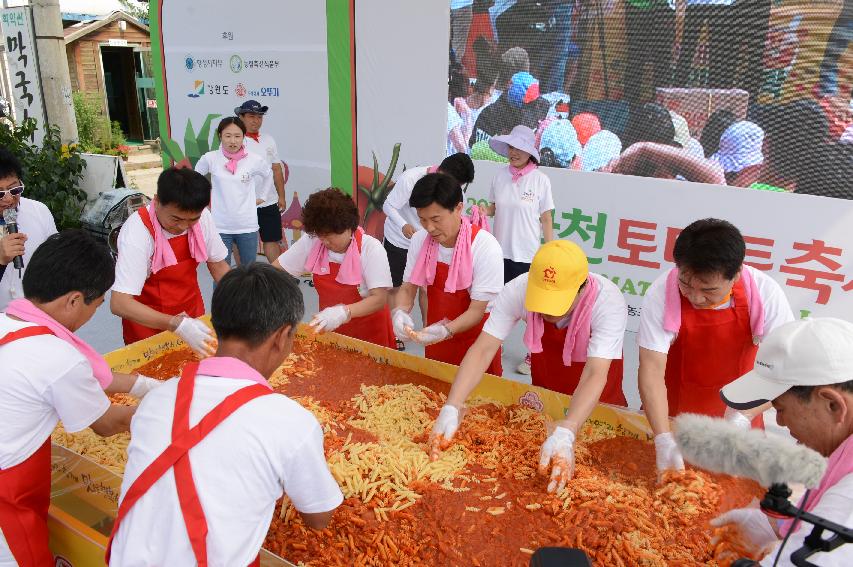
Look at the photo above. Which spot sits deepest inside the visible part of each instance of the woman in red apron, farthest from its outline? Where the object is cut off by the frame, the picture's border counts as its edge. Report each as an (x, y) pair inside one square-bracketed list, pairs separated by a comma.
[(459, 264), (342, 259), (156, 284), (556, 299)]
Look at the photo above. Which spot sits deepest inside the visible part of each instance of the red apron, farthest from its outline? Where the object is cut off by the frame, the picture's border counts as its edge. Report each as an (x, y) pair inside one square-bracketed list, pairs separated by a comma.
[(176, 455), (713, 347), (548, 371), (171, 291), (443, 305), (375, 328), (25, 494)]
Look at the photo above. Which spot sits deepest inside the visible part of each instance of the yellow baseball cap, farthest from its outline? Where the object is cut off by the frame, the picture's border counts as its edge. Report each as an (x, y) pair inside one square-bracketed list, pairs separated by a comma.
[(558, 270)]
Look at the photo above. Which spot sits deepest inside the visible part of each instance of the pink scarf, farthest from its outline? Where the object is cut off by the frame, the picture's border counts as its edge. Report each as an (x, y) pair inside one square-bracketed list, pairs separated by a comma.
[(478, 219), (579, 329), (518, 173), (672, 303), (432, 169), (461, 272), (229, 367), (350, 272), (234, 158), (164, 256), (840, 465), (25, 310)]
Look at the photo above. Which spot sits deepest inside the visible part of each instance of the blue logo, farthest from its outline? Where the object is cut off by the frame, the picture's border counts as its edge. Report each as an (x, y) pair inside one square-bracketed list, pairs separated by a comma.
[(235, 63), (189, 62)]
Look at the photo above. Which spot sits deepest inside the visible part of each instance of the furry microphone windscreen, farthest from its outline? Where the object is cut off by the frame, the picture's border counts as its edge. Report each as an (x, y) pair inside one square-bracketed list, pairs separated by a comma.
[(716, 445)]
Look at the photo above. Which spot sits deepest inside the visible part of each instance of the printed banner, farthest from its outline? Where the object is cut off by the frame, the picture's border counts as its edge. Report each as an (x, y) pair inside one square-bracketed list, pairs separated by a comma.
[(276, 55), (22, 67)]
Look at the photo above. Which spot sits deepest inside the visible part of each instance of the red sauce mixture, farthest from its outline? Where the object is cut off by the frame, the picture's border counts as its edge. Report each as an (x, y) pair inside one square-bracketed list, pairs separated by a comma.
[(616, 511)]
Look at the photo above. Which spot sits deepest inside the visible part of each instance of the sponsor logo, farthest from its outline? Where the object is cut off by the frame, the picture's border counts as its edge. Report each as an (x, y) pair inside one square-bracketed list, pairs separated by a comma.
[(198, 89), (264, 92), (189, 63), (240, 90), (763, 364), (235, 63), (549, 275), (531, 400)]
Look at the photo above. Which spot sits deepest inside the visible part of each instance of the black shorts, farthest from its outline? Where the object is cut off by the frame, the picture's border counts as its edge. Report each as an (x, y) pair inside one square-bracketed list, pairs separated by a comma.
[(397, 262), (269, 223)]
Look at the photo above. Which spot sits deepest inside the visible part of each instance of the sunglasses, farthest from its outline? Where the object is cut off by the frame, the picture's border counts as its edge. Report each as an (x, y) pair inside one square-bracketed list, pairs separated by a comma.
[(13, 191)]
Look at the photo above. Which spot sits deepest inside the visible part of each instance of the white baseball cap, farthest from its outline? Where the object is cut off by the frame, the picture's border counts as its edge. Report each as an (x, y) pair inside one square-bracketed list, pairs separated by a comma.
[(810, 352)]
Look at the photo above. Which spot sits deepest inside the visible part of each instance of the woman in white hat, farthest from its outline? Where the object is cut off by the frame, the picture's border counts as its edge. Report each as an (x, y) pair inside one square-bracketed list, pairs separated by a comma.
[(521, 203)]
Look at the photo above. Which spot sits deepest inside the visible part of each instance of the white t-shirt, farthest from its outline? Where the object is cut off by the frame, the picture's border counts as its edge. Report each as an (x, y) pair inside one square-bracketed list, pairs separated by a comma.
[(375, 272), (34, 220), (233, 197), (397, 211), (518, 207), (45, 379), (267, 149), (836, 505), (652, 335), (453, 121), (136, 248), (609, 316), (488, 263), (269, 446)]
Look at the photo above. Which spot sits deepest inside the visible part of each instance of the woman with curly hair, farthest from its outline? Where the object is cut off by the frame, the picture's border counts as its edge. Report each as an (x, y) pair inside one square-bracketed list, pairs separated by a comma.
[(350, 269)]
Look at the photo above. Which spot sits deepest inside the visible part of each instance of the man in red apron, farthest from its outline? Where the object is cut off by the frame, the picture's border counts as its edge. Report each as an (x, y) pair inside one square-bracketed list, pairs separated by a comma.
[(349, 269), (575, 328), (202, 479), (461, 267), (159, 250), (699, 329), (50, 375), (805, 368)]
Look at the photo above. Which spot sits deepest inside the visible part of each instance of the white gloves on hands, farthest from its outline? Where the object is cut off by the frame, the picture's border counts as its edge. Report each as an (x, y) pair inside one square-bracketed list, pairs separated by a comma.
[(403, 323), (432, 334), (735, 417), (559, 452), (446, 425), (753, 527), (330, 318), (142, 386), (197, 335), (667, 453)]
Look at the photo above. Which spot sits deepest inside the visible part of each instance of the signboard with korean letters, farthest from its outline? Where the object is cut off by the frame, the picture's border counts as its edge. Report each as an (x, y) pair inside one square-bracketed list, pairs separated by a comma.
[(22, 66)]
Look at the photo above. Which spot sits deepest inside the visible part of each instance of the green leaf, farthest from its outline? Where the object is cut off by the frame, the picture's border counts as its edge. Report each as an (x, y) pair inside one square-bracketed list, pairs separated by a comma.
[(202, 140)]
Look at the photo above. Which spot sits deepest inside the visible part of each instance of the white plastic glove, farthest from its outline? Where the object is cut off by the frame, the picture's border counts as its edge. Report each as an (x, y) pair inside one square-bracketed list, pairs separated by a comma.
[(330, 318), (667, 453), (142, 386), (197, 335), (432, 334), (753, 527), (735, 417), (403, 323), (558, 450), (445, 427)]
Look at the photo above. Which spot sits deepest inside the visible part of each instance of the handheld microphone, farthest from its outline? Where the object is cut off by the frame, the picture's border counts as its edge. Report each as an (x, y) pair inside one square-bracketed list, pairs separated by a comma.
[(716, 445), (10, 216)]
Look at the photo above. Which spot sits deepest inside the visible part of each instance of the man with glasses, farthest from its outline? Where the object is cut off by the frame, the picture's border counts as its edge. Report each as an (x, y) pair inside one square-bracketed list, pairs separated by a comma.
[(35, 225)]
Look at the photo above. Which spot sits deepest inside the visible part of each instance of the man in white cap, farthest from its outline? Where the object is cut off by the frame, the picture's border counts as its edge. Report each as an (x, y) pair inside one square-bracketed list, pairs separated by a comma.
[(269, 211), (740, 153), (805, 368)]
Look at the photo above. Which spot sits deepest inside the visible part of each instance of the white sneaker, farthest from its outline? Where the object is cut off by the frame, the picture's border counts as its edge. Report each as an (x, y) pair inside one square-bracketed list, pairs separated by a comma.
[(524, 366)]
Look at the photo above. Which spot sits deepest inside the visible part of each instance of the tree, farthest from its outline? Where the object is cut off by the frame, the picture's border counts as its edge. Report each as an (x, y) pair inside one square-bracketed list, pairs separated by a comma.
[(136, 8)]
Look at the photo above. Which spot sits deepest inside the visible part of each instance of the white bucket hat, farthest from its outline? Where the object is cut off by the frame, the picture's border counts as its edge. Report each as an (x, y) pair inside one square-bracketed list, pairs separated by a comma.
[(740, 146), (521, 137)]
